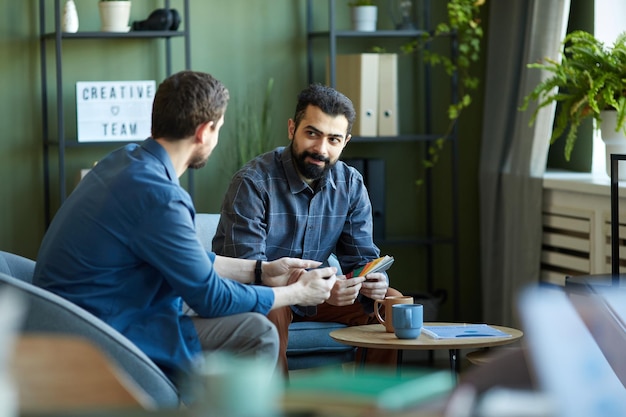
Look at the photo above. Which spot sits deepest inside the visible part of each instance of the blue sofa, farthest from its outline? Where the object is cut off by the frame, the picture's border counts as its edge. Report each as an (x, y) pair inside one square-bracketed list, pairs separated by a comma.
[(309, 343)]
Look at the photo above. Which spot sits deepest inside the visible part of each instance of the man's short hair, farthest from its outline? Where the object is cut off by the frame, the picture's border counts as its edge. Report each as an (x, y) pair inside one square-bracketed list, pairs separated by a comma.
[(329, 100), (184, 101)]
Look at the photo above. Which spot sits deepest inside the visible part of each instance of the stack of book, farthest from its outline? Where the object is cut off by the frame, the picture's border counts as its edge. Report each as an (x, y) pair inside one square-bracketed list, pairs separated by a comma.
[(377, 390)]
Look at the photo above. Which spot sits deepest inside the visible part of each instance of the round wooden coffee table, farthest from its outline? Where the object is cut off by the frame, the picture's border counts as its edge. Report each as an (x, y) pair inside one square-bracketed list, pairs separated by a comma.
[(374, 336)]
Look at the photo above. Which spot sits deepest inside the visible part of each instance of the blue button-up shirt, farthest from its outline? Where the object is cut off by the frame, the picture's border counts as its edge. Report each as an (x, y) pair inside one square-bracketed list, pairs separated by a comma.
[(124, 247), (270, 212)]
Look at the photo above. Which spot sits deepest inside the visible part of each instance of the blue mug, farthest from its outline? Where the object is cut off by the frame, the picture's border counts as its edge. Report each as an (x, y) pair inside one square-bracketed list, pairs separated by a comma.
[(408, 320)]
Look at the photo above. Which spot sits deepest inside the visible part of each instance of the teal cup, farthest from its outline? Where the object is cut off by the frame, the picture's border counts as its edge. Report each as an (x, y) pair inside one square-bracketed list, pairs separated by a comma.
[(407, 320)]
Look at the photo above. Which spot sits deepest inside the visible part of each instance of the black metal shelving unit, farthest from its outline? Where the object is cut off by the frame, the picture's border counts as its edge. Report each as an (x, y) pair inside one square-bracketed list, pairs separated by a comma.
[(58, 137), (430, 240)]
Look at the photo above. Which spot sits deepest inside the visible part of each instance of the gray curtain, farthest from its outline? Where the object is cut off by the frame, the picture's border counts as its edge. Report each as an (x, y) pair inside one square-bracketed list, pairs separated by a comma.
[(513, 154)]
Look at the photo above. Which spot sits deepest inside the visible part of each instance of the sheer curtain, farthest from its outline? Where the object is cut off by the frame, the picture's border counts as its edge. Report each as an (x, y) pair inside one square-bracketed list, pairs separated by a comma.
[(513, 154)]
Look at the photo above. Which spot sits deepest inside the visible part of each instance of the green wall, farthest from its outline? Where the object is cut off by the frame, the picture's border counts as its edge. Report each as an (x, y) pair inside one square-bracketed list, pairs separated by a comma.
[(243, 43)]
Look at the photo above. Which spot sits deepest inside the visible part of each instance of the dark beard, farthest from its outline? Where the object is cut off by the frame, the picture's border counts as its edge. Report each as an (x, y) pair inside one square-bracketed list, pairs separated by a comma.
[(311, 171), (197, 163)]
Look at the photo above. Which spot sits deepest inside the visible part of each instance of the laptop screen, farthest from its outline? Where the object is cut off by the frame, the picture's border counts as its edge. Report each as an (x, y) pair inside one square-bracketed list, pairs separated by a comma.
[(574, 341)]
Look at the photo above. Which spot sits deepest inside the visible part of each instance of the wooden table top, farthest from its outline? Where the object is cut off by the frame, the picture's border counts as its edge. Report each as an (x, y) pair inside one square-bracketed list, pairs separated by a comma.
[(55, 372), (374, 336)]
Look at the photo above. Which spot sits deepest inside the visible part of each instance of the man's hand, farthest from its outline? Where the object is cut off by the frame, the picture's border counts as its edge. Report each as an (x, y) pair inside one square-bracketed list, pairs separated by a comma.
[(284, 271), (345, 291), (310, 288), (316, 285), (375, 286)]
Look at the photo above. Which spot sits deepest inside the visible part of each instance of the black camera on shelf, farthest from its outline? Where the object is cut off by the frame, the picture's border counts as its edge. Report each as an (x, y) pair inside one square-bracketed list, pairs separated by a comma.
[(160, 19)]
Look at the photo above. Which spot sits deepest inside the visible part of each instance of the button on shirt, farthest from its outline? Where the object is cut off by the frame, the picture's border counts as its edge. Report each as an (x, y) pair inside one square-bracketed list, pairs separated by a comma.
[(270, 212), (124, 247)]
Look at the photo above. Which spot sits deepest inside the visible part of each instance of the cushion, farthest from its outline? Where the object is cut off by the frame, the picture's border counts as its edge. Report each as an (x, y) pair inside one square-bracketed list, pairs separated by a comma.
[(17, 266), (206, 225), (312, 337)]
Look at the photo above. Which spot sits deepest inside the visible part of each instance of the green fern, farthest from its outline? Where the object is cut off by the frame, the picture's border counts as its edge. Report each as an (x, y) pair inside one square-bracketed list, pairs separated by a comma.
[(589, 79)]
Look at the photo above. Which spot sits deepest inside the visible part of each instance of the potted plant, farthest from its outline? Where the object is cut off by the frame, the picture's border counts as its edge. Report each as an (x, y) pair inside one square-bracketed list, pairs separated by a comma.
[(364, 14), (254, 128), (252, 134), (114, 15), (588, 82), (462, 20)]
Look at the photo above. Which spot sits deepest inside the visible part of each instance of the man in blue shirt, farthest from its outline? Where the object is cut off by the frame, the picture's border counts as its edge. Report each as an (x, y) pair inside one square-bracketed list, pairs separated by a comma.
[(124, 245), (302, 201)]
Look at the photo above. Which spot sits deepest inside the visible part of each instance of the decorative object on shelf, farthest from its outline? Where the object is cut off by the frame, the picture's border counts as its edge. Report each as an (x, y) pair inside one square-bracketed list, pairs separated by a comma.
[(402, 8), (463, 19), (364, 15), (114, 15), (159, 19), (588, 82), (110, 111), (70, 17)]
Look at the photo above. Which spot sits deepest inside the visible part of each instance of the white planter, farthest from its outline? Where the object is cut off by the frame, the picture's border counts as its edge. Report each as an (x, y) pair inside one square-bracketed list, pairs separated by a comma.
[(114, 16), (615, 142), (364, 18)]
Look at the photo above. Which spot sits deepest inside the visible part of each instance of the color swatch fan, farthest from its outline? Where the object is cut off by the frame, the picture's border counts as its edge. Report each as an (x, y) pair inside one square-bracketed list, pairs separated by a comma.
[(377, 265)]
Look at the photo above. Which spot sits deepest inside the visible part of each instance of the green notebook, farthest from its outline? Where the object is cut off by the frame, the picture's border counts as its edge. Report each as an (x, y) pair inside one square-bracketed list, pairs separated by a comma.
[(376, 389)]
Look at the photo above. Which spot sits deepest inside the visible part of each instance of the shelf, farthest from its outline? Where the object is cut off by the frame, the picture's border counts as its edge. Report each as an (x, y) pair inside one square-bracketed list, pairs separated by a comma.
[(53, 38), (432, 234), (118, 35), (75, 144), (399, 138), (376, 34)]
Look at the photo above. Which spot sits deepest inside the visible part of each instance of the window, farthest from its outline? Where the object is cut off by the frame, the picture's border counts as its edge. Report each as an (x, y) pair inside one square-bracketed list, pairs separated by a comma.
[(608, 24)]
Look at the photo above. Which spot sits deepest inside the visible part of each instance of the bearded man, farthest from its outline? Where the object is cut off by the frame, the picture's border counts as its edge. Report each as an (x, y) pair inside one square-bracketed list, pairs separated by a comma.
[(301, 201)]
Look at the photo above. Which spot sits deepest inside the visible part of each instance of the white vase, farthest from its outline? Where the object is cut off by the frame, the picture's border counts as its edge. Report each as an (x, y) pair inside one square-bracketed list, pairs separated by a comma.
[(615, 142), (69, 23), (364, 18), (114, 16)]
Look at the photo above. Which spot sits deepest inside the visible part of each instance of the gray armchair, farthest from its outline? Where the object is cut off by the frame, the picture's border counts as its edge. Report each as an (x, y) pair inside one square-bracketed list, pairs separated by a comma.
[(309, 344), (17, 266), (47, 312)]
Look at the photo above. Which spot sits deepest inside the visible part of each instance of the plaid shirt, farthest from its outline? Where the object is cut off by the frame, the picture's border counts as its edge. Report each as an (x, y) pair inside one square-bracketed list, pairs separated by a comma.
[(269, 212)]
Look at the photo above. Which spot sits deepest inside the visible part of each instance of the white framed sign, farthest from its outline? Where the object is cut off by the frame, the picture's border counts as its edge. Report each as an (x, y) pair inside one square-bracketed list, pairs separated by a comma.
[(114, 110)]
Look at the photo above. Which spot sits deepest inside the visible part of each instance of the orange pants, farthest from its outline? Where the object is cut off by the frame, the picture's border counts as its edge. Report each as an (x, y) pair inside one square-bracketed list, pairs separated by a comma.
[(352, 315)]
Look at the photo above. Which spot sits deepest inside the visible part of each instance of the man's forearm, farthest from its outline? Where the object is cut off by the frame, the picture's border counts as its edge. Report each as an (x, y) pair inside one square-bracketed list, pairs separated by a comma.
[(286, 296), (241, 270)]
